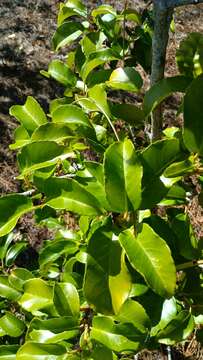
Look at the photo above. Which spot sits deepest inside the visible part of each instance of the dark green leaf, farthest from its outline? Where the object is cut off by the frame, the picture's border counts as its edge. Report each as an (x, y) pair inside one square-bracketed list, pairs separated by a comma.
[(189, 56), (107, 281), (129, 113), (193, 117), (161, 90)]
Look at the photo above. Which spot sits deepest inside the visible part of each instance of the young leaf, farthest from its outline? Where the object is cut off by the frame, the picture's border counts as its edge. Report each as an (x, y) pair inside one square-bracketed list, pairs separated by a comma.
[(123, 176), (66, 33), (12, 207), (151, 257), (193, 117), (125, 79), (30, 115)]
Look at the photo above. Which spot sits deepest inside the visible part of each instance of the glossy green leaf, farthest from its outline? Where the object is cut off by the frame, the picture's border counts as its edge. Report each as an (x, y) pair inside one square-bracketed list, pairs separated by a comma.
[(103, 9), (11, 325), (161, 90), (8, 352), (97, 58), (52, 132), (117, 337), (123, 176), (36, 351), (178, 329), (37, 295), (54, 330), (70, 195), (98, 77), (60, 72), (169, 312), (66, 300), (189, 56), (193, 117), (155, 159), (5, 242), (126, 78), (41, 154), (133, 312), (107, 281), (71, 8), (98, 95), (18, 276), (7, 290), (181, 168), (151, 257), (30, 115), (14, 251), (66, 33), (92, 178), (75, 119), (12, 207), (129, 113), (22, 138), (92, 42), (132, 15), (56, 248)]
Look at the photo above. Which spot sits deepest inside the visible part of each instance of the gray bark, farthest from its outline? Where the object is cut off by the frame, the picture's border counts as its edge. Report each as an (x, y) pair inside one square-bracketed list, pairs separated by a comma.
[(163, 12), (162, 20)]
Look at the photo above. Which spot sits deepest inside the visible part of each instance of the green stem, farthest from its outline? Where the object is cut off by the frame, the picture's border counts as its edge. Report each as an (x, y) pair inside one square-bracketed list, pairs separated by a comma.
[(189, 264)]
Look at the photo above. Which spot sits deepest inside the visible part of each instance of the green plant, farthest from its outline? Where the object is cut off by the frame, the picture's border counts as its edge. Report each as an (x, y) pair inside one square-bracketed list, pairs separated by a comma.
[(129, 275)]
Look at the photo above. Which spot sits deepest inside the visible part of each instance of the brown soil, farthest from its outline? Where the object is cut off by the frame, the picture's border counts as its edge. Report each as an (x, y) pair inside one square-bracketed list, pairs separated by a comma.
[(26, 28)]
